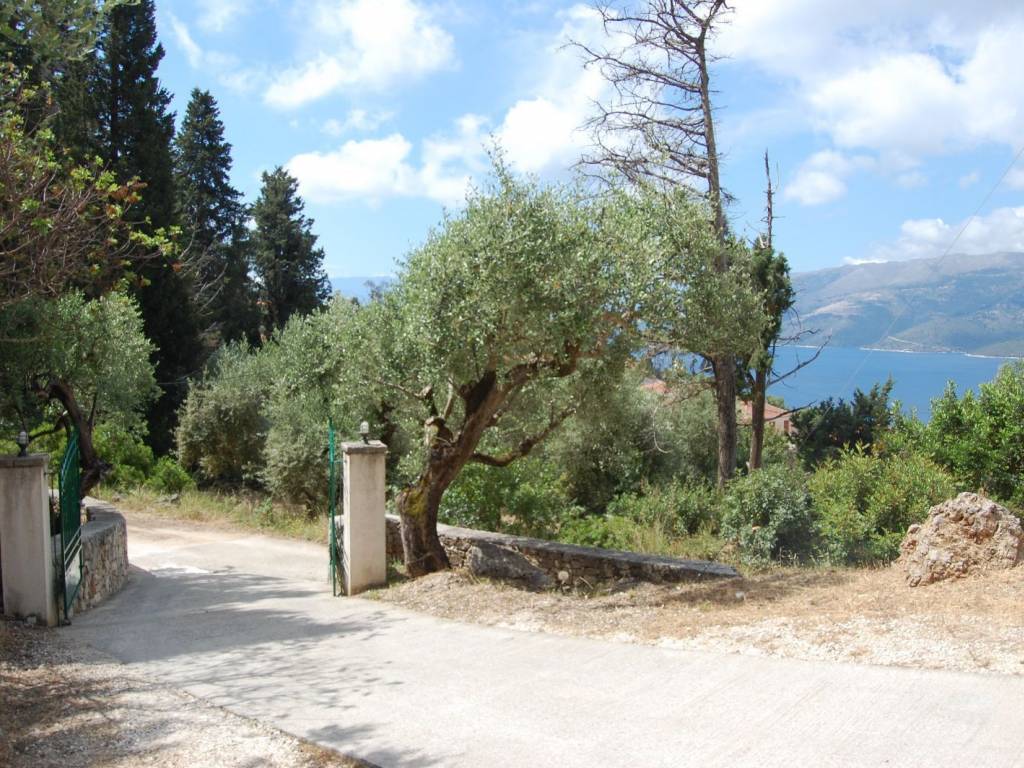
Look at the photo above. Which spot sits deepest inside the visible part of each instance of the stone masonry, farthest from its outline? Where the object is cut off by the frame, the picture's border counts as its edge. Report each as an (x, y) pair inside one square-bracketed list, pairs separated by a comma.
[(567, 562), (104, 554)]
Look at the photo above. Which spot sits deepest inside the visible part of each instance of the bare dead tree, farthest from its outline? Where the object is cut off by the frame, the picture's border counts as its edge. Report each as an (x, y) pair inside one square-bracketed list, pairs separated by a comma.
[(658, 127), (763, 365), (771, 271)]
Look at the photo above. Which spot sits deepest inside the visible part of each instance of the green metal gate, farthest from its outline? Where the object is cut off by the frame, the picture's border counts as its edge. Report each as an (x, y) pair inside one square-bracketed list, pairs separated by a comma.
[(69, 554), (333, 486)]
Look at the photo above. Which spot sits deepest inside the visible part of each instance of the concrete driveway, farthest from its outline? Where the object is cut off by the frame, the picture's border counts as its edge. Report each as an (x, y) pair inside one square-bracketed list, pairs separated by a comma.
[(248, 623)]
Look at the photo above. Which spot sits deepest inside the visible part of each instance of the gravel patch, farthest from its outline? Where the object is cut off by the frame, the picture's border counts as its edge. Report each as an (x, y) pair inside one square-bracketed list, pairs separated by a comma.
[(974, 624), (65, 705)]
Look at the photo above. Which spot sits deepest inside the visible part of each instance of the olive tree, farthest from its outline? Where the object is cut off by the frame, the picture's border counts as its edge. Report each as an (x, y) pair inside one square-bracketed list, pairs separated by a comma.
[(71, 362), (511, 313)]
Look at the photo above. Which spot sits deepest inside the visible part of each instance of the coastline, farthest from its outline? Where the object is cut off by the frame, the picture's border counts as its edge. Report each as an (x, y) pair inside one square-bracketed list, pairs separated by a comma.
[(977, 355)]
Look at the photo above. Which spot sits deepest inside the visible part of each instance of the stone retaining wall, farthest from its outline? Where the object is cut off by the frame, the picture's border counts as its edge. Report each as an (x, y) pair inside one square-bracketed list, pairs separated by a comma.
[(104, 554), (587, 564)]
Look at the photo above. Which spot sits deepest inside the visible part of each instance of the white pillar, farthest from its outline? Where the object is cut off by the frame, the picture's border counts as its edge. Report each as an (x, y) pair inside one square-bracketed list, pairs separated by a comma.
[(26, 551), (364, 550)]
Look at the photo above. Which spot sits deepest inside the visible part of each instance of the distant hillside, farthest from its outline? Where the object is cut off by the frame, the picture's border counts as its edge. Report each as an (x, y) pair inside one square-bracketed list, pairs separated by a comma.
[(961, 303), (357, 287)]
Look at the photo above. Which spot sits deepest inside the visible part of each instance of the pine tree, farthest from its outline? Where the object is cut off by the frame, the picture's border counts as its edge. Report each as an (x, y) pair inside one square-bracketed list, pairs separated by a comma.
[(212, 216), (135, 133), (288, 264)]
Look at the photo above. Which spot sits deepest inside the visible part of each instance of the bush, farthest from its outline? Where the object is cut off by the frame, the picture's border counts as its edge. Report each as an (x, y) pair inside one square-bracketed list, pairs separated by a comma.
[(169, 477), (678, 508), (631, 435), (221, 428), (604, 531), (865, 503), (768, 514), (980, 439), (304, 366), (527, 498), (131, 460)]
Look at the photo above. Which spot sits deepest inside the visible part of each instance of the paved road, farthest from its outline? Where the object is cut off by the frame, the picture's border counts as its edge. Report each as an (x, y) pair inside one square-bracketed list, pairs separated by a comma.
[(247, 622)]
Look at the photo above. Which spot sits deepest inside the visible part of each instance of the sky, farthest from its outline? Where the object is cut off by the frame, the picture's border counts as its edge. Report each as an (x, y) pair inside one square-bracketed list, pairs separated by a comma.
[(890, 126)]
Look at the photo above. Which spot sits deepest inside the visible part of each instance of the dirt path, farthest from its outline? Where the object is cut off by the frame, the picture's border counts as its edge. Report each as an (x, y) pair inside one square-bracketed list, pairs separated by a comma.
[(65, 705), (864, 616), (247, 623)]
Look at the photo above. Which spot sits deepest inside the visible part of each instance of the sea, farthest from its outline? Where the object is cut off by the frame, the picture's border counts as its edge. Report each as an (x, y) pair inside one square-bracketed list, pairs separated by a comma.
[(918, 377)]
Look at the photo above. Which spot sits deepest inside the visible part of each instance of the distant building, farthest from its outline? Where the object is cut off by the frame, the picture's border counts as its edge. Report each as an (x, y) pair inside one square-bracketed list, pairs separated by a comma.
[(656, 386), (774, 417)]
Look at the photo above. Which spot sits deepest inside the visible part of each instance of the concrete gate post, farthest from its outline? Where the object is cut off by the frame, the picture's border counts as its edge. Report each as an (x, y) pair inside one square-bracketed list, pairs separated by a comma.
[(364, 544), (26, 548)]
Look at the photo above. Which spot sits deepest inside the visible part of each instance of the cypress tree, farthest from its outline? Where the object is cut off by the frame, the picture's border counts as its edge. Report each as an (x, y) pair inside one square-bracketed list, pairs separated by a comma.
[(135, 135), (288, 264), (212, 216)]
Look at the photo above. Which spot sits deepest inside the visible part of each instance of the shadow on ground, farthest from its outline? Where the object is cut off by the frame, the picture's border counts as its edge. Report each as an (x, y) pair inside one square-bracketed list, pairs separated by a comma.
[(245, 641)]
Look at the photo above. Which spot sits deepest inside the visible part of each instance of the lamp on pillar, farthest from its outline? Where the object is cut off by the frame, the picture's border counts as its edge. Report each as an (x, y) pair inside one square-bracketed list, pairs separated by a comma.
[(364, 431), (22, 440)]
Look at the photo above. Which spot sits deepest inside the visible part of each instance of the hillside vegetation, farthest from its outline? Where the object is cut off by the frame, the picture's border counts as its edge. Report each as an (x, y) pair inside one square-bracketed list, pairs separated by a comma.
[(961, 303)]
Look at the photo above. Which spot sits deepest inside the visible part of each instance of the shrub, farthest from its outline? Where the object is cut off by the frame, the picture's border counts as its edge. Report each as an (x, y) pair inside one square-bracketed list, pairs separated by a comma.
[(678, 508), (130, 459), (308, 360), (865, 503), (605, 531), (768, 514), (980, 439), (169, 477), (528, 498), (221, 428)]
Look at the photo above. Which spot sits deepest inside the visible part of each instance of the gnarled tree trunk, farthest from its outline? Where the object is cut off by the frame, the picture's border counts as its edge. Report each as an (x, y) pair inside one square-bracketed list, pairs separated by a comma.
[(417, 506), (93, 468)]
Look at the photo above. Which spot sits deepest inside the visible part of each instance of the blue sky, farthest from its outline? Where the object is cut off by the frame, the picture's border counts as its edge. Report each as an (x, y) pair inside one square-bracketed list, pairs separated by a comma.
[(888, 123)]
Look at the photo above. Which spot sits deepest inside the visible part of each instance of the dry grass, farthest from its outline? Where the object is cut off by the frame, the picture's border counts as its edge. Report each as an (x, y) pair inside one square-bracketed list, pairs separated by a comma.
[(866, 615), (239, 511)]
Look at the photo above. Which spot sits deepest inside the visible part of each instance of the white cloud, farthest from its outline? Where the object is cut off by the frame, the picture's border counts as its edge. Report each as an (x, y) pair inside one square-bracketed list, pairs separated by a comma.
[(371, 169), (367, 44), (1015, 176), (224, 66), (821, 178), (911, 179), (1000, 230), (919, 77), (537, 134), (969, 179), (357, 120), (186, 42), (217, 15)]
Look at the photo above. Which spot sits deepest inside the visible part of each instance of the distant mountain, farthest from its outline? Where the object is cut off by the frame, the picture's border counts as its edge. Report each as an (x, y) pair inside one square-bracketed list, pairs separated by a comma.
[(960, 303), (357, 287)]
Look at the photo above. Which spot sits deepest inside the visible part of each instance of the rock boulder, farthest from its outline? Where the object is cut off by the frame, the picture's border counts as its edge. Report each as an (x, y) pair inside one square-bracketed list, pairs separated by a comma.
[(968, 533), (504, 563)]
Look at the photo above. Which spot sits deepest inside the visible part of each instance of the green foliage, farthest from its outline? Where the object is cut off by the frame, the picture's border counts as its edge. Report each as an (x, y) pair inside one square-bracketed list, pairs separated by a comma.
[(134, 130), (865, 503), (981, 438), (221, 426), (288, 264), (63, 225), (169, 477), (527, 498), (768, 514), (676, 508), (96, 348), (130, 459), (826, 429), (605, 531), (305, 363), (212, 217)]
